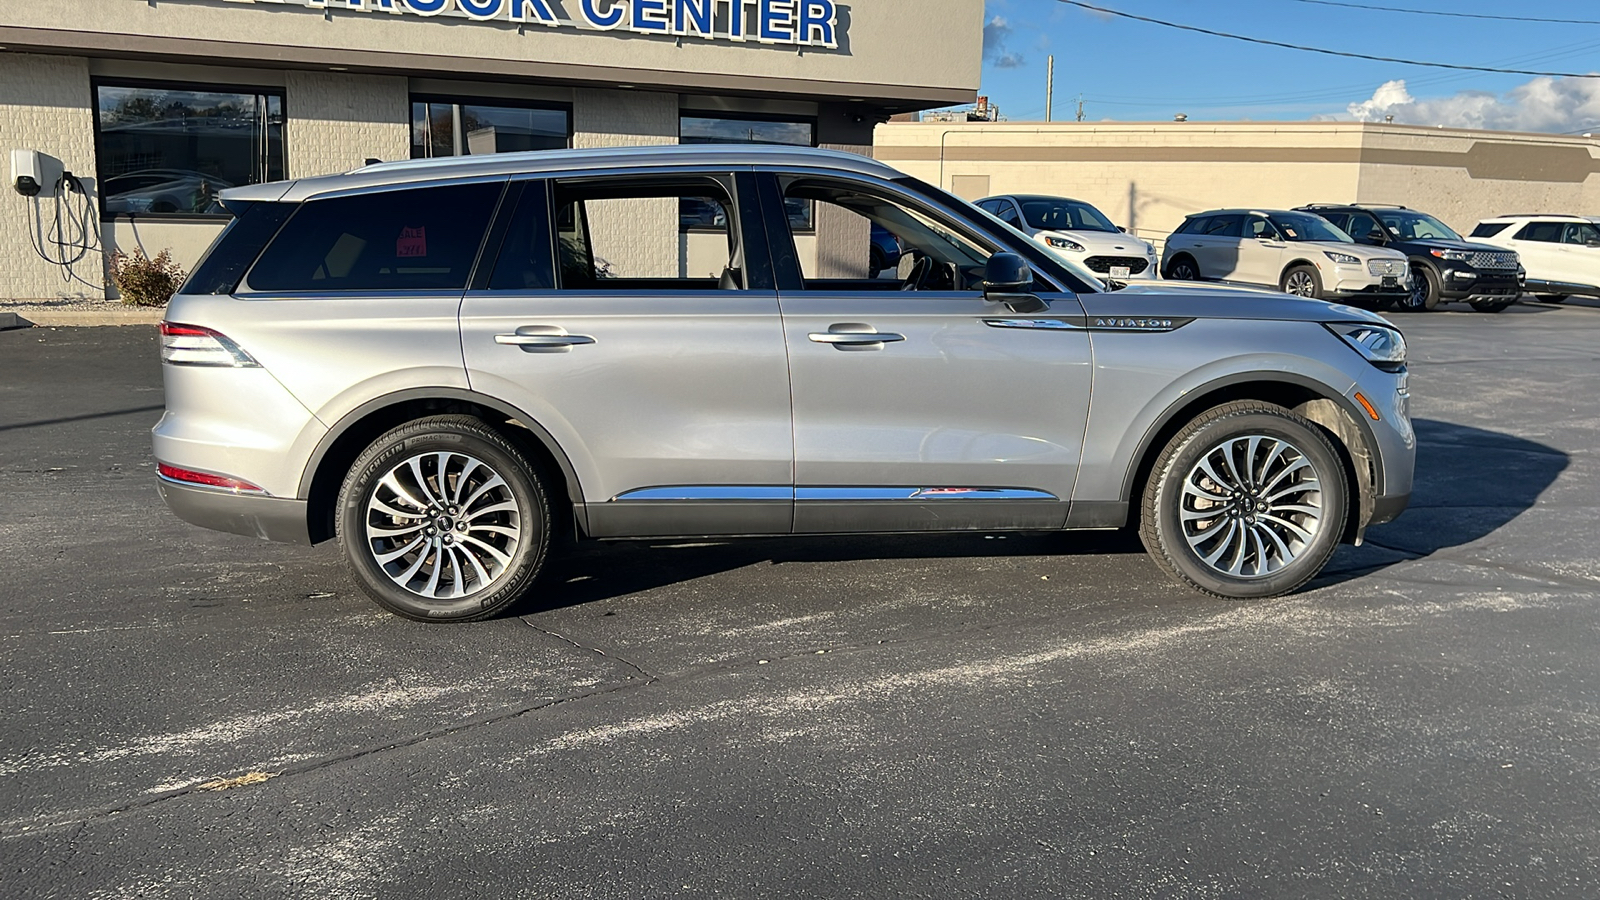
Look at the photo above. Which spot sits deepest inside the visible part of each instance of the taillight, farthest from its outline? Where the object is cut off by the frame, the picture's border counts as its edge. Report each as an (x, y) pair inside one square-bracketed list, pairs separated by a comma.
[(191, 345), (206, 479)]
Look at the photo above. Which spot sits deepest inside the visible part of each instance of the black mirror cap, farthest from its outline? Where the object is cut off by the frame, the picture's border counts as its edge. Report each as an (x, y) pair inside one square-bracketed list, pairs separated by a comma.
[(1007, 273)]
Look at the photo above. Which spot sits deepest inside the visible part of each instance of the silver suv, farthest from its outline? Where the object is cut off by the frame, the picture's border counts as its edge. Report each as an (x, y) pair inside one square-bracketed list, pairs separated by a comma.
[(445, 364)]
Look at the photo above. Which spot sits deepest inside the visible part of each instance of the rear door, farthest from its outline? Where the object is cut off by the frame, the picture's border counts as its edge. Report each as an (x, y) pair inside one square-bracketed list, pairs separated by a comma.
[(624, 316), (1216, 249), (918, 405)]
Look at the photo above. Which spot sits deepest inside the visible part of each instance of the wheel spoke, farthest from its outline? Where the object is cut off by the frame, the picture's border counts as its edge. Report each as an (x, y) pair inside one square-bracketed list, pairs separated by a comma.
[(386, 558), (1238, 528), (494, 553), (1298, 532), (507, 506), (393, 484), (422, 482)]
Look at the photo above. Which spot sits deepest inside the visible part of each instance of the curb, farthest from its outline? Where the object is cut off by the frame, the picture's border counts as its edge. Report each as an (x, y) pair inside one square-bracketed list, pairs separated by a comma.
[(80, 317)]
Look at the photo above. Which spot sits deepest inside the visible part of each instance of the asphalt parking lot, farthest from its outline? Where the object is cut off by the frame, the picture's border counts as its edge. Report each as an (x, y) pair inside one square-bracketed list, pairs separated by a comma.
[(195, 714)]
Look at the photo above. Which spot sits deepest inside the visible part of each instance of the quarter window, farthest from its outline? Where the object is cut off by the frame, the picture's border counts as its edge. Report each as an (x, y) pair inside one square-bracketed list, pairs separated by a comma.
[(441, 127), (417, 239), (170, 149), (1488, 229)]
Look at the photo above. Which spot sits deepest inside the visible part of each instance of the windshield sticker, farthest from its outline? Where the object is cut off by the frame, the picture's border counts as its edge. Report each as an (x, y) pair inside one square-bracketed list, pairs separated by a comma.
[(413, 242), (1293, 235)]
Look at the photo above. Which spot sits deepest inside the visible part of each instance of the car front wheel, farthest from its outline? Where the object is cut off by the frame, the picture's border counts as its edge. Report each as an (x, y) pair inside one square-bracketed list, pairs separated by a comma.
[(1183, 269), (1302, 281), (1247, 501), (443, 520)]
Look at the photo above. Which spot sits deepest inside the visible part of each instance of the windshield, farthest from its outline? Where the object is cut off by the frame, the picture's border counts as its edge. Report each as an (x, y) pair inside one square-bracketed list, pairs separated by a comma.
[(1411, 226), (1297, 227), (1056, 214)]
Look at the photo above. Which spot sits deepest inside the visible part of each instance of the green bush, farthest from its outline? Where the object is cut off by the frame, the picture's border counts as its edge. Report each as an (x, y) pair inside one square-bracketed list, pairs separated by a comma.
[(145, 282)]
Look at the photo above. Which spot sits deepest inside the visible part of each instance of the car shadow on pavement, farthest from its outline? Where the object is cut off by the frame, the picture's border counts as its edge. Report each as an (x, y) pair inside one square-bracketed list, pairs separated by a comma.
[(1452, 503)]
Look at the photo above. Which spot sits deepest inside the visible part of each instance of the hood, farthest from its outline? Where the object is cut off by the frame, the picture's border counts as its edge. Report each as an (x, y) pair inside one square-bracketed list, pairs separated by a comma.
[(1447, 244), (1219, 301), (1104, 242), (1359, 251)]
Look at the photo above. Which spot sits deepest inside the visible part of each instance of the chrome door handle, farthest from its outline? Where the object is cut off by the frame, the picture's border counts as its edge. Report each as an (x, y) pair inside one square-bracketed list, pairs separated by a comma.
[(543, 339), (854, 334)]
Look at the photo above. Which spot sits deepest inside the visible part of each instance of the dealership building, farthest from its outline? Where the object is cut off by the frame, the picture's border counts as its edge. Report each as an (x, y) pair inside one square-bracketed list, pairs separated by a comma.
[(157, 105), (1148, 176)]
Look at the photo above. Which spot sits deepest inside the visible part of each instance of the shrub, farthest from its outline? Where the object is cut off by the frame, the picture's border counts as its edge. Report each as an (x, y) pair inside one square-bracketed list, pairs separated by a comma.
[(145, 282)]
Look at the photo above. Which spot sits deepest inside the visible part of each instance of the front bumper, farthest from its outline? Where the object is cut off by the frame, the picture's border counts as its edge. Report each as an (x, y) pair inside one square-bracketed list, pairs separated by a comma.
[(1464, 283), (1347, 282), (253, 515)]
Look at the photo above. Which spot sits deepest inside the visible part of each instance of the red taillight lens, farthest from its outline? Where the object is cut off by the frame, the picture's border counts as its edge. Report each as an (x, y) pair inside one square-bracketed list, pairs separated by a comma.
[(192, 345), (205, 479)]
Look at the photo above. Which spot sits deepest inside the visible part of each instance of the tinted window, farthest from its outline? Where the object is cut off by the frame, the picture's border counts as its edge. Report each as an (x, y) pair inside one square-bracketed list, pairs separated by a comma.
[(1544, 232), (172, 149), (237, 247), (1225, 226), (1488, 229), (1258, 228), (1340, 221), (1193, 225), (1008, 215), (1410, 226), (1064, 215), (1306, 227), (420, 239), (526, 260)]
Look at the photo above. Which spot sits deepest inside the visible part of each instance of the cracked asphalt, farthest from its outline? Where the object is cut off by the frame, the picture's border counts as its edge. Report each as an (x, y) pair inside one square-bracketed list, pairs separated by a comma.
[(192, 714)]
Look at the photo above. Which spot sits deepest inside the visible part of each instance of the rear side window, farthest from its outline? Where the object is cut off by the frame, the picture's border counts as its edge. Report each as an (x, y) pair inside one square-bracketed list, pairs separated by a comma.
[(1488, 229), (418, 239), (1225, 226), (1193, 225), (237, 247), (1543, 232)]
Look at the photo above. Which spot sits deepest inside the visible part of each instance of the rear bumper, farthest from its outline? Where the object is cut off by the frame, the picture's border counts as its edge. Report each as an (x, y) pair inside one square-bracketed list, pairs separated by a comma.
[(267, 518)]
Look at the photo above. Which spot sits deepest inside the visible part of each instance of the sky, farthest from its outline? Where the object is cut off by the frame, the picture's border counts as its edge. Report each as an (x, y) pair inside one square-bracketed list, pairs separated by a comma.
[(1137, 71)]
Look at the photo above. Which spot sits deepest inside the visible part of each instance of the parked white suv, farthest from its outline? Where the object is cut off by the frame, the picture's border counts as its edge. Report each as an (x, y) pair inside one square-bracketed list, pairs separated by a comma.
[(1560, 253), (1076, 230), (1298, 253)]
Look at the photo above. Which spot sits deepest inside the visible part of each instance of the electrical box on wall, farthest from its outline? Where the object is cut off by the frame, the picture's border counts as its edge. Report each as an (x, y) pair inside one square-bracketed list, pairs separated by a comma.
[(35, 174)]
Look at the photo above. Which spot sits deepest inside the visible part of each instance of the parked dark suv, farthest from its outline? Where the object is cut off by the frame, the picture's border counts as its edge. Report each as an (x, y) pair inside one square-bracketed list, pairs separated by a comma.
[(1444, 266)]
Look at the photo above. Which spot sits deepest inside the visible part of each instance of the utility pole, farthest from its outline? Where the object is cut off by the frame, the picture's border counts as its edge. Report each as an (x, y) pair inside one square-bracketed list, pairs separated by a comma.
[(1050, 90), (1080, 107)]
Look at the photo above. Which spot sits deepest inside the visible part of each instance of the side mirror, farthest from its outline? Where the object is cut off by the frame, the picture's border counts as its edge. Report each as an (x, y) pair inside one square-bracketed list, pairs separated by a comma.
[(1592, 244), (1008, 279), (1375, 236), (1122, 228)]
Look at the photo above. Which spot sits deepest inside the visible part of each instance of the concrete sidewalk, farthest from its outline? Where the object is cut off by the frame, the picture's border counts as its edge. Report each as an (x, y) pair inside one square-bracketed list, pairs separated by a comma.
[(20, 315)]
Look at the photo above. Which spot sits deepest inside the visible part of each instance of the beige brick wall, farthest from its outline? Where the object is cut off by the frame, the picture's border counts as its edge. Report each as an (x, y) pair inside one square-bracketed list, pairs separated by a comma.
[(45, 106), (636, 236), (336, 121)]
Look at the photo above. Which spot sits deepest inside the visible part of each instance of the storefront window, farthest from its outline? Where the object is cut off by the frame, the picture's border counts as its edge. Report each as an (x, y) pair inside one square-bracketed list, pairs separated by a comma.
[(694, 129), (170, 149), (446, 128)]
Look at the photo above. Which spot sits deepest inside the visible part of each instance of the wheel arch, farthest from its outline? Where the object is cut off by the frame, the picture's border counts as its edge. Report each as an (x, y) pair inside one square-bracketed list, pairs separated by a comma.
[(1336, 415), (1166, 266), (1296, 263), (353, 433)]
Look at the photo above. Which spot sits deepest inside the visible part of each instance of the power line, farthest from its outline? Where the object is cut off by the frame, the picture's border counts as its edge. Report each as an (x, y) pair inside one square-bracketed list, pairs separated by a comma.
[(1324, 51), (1452, 15)]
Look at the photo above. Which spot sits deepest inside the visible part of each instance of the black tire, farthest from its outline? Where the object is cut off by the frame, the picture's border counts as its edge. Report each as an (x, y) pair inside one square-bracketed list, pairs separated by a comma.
[(1550, 298), (876, 263), (1163, 529), (1302, 281), (481, 584), (1425, 290), (1491, 306), (1183, 268)]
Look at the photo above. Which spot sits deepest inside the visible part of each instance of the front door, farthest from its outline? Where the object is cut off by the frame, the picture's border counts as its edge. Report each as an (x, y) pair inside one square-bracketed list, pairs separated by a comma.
[(623, 317), (1260, 252), (919, 406)]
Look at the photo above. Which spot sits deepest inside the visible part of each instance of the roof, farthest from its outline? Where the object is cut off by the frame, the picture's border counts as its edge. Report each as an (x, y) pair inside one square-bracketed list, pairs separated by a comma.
[(558, 161), (1032, 198), (1519, 217), (1244, 212)]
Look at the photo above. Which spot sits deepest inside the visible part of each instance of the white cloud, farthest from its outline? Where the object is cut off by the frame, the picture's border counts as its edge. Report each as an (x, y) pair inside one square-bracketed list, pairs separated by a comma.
[(996, 34), (1543, 104)]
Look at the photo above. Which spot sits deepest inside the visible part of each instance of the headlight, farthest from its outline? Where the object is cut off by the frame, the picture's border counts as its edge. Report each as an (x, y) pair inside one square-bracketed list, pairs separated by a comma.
[(1063, 244), (1452, 255), (1383, 347), (1343, 259)]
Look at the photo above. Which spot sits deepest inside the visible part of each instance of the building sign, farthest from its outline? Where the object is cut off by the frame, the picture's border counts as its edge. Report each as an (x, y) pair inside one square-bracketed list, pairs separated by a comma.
[(808, 23)]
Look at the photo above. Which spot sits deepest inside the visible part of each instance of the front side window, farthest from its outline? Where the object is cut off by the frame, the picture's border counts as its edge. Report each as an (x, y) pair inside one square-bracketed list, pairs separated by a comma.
[(171, 149), (627, 235), (1051, 214), (1258, 228), (443, 127), (415, 239), (1411, 226), (1580, 233), (864, 240), (1361, 225), (1305, 227)]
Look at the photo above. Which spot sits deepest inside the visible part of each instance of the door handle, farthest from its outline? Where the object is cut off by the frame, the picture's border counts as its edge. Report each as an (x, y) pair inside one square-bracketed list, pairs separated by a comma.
[(854, 335), (543, 339)]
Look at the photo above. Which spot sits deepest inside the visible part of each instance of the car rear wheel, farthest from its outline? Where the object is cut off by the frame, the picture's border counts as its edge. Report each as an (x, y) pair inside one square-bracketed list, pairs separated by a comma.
[(1492, 306), (443, 520), (1183, 269), (1247, 501), (1302, 281), (1550, 298)]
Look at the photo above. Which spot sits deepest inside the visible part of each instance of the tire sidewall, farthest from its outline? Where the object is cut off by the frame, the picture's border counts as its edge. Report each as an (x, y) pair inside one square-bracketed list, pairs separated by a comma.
[(1183, 261), (403, 443), (1168, 502), (1316, 281)]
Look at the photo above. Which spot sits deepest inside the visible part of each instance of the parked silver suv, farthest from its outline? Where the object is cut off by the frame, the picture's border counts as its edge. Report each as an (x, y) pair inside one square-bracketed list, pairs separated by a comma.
[(444, 364)]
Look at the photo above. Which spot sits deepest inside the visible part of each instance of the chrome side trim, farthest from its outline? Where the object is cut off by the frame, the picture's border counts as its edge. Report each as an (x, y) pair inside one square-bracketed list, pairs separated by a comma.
[(921, 494), (1094, 323), (1062, 324), (709, 492)]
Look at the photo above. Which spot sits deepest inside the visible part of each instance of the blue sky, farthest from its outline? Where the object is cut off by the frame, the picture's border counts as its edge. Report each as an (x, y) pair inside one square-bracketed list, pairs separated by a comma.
[(1135, 71)]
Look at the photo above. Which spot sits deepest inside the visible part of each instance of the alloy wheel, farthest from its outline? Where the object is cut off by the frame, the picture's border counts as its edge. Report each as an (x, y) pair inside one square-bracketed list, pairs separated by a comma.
[(1301, 284), (443, 525), (1251, 506)]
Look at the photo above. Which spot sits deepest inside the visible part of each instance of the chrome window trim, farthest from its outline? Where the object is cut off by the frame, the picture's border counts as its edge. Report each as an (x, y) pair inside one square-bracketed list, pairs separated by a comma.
[(730, 493)]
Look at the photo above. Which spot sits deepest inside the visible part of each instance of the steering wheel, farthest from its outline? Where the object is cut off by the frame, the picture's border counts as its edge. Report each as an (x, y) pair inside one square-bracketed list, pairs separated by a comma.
[(918, 275)]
